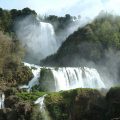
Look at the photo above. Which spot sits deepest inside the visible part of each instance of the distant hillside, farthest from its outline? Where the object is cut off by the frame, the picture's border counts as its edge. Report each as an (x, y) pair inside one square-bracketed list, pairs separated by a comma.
[(88, 43)]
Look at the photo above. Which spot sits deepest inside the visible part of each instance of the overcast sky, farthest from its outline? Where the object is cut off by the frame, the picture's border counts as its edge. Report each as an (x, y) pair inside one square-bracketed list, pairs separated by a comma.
[(86, 8)]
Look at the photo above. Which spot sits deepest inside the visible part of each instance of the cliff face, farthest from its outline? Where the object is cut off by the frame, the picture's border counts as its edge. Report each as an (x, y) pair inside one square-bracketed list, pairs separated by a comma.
[(89, 43), (19, 111), (77, 104), (113, 103), (84, 104)]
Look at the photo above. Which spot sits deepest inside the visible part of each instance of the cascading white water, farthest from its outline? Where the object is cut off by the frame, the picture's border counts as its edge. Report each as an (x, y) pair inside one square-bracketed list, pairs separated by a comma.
[(41, 102), (43, 110), (48, 42), (70, 78), (2, 98), (34, 81), (38, 38), (66, 78)]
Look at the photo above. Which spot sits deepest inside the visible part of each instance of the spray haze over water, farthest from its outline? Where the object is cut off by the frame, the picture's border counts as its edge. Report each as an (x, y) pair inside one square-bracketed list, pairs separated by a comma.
[(38, 38), (65, 78)]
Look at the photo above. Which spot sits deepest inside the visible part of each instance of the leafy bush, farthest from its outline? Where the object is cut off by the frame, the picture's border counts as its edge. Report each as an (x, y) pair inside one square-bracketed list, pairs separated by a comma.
[(32, 96)]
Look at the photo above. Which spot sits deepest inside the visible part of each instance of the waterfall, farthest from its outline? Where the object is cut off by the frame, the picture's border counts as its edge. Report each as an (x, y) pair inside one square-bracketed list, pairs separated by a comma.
[(48, 43), (71, 78), (36, 75), (44, 112), (38, 38), (65, 78), (2, 98)]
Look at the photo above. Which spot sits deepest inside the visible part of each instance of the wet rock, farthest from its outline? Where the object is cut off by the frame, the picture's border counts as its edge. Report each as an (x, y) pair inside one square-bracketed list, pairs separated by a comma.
[(11, 101), (113, 103)]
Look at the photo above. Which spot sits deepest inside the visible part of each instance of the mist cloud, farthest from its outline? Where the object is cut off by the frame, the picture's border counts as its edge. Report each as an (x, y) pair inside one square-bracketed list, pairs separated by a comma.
[(37, 37)]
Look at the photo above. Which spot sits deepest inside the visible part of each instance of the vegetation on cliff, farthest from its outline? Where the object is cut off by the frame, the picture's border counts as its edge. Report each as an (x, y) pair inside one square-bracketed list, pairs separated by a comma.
[(77, 104), (12, 71), (9, 17), (32, 96), (74, 104), (89, 43)]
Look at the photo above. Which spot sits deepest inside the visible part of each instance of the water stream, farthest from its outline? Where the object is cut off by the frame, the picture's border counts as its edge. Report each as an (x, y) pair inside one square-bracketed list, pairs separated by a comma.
[(2, 98), (43, 111)]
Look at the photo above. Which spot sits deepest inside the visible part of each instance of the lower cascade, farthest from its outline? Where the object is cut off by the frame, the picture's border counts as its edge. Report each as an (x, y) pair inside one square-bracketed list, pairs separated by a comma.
[(64, 78), (36, 75), (2, 98), (61, 78), (44, 112), (70, 78)]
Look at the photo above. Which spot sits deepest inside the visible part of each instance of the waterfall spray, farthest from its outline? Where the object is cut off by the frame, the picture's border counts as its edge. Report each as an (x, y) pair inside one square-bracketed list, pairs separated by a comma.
[(2, 98), (66, 78), (38, 38), (36, 75), (44, 112)]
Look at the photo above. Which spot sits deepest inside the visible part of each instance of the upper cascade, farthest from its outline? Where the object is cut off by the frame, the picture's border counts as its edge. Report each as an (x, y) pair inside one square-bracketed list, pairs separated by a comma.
[(46, 39), (38, 38)]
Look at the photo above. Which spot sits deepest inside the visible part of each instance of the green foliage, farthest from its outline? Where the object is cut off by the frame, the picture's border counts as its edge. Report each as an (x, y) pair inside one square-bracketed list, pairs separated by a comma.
[(23, 75), (5, 20), (11, 55), (11, 50), (8, 18), (59, 23), (61, 104), (32, 96), (55, 105), (36, 114)]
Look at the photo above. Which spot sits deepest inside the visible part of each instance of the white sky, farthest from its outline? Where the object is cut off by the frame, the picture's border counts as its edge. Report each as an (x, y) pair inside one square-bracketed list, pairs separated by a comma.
[(86, 8)]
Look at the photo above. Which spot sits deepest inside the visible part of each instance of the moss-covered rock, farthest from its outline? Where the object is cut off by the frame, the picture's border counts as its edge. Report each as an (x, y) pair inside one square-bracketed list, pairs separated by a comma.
[(24, 110), (23, 75), (13, 77), (36, 114), (8, 114), (32, 96), (10, 91), (11, 101), (78, 104), (46, 81), (20, 111), (113, 103)]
